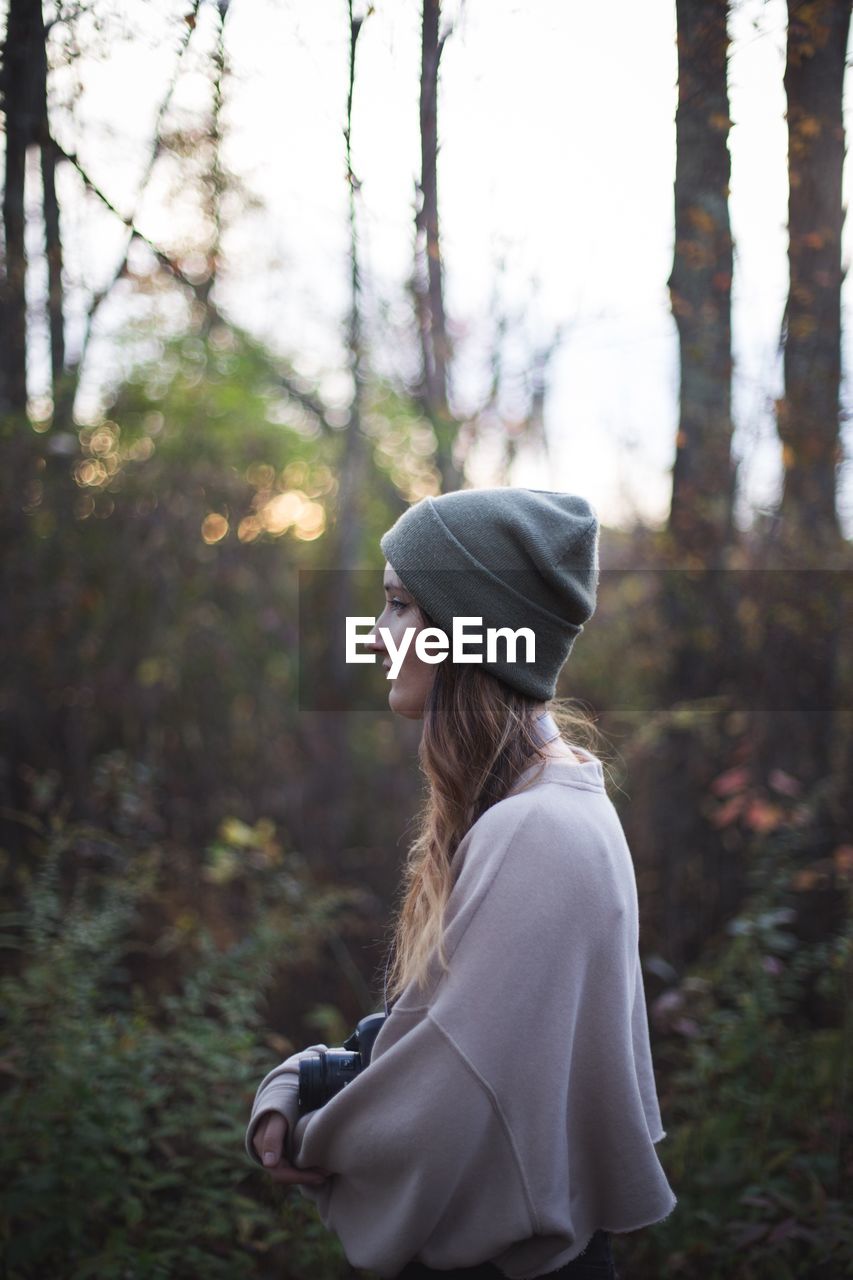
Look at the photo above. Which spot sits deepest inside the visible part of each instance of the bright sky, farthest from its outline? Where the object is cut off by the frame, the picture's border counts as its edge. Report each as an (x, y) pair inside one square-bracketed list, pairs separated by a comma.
[(557, 130)]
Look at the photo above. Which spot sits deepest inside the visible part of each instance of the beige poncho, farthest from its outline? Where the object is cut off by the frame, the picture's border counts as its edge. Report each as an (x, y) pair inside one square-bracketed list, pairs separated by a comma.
[(509, 1109)]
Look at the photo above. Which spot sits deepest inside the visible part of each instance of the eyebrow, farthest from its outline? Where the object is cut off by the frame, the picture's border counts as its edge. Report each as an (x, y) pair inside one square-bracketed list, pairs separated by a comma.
[(393, 586)]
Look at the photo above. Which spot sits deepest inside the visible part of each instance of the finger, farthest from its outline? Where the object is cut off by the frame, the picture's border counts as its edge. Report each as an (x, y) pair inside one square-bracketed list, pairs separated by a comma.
[(259, 1137), (289, 1176), (269, 1141)]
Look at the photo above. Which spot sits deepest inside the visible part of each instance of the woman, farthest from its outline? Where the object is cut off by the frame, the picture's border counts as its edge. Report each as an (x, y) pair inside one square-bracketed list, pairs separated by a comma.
[(505, 1124)]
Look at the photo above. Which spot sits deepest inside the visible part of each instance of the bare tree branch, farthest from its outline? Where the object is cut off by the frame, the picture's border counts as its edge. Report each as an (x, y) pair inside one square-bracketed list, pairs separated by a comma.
[(305, 399), (129, 221)]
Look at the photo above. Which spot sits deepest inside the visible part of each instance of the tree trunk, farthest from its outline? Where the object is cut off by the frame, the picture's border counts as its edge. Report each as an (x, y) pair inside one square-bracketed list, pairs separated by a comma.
[(428, 286), (53, 251), (808, 415), (23, 62), (801, 588), (696, 599), (700, 287)]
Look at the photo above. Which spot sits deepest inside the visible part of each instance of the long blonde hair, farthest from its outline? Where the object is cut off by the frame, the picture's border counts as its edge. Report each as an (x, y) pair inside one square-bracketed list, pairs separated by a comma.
[(478, 737)]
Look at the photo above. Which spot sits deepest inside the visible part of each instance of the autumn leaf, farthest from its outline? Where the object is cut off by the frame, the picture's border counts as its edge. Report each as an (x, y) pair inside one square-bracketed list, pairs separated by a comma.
[(732, 780), (806, 879), (728, 812), (236, 832), (842, 857), (784, 783), (762, 816)]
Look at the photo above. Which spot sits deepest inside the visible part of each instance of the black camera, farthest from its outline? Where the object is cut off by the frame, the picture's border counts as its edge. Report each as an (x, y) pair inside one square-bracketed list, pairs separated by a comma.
[(328, 1071)]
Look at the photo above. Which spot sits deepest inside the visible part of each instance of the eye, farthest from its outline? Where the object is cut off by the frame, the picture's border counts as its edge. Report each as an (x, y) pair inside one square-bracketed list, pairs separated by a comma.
[(396, 605)]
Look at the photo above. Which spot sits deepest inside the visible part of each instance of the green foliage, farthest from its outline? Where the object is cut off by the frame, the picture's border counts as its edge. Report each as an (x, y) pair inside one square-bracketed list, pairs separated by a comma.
[(150, 577), (758, 1131), (123, 1120)]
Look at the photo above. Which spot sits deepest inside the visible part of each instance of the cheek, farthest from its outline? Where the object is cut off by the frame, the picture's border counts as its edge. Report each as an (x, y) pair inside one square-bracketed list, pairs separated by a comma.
[(419, 672), (411, 662), (395, 628)]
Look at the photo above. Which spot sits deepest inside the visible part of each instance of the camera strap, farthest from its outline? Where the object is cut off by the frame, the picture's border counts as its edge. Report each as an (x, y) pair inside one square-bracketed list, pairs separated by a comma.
[(545, 728)]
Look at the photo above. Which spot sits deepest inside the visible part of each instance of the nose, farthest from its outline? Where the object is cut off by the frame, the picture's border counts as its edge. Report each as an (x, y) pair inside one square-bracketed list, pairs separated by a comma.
[(377, 646)]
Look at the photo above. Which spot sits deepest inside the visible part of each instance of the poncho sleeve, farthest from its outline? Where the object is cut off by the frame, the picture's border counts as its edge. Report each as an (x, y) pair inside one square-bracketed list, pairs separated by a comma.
[(419, 1155), (278, 1091)]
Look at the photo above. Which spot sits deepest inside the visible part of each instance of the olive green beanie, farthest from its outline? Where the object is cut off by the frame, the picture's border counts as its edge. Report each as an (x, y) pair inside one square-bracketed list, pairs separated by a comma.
[(515, 558)]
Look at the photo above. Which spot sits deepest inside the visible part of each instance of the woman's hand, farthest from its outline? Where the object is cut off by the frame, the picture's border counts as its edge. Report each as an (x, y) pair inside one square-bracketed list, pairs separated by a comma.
[(268, 1141)]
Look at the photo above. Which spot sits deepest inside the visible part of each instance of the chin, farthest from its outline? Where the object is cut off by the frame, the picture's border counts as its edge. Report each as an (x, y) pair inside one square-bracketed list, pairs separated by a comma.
[(408, 707)]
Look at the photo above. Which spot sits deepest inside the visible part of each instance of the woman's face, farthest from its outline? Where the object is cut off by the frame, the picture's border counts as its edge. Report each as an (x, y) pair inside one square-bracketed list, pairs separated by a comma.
[(408, 692)]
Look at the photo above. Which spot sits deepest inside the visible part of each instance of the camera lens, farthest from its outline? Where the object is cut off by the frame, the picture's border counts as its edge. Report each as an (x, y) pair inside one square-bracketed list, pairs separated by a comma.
[(323, 1075)]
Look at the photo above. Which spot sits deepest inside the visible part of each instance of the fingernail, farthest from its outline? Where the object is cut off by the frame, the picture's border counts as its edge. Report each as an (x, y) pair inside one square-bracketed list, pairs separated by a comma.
[(269, 1157)]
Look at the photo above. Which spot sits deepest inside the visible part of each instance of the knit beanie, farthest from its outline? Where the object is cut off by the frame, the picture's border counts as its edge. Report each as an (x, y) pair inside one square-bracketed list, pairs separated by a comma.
[(514, 557)]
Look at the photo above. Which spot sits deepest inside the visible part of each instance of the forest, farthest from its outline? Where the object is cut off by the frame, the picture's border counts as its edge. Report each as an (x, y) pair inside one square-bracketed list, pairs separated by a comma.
[(202, 820)]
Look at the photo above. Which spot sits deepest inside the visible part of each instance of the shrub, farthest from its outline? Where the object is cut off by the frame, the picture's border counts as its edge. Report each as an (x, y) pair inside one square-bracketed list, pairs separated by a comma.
[(757, 1146), (123, 1121)]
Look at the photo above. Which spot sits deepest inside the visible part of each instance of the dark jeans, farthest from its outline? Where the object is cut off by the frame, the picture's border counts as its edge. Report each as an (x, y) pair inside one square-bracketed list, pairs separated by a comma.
[(595, 1263)]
